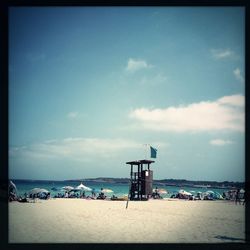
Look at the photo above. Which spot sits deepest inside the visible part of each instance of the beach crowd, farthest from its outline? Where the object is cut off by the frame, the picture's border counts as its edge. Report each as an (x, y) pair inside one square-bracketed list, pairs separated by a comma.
[(236, 195)]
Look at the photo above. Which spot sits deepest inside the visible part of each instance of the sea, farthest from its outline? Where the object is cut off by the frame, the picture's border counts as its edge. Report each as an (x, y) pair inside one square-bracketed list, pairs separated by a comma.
[(119, 189)]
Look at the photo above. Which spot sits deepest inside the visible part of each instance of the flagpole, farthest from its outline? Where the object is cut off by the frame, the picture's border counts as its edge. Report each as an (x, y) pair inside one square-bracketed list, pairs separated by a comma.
[(129, 192), (146, 150)]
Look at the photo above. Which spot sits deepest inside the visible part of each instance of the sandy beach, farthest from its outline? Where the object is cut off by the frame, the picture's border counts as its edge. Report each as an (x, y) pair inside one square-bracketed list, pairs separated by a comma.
[(153, 221)]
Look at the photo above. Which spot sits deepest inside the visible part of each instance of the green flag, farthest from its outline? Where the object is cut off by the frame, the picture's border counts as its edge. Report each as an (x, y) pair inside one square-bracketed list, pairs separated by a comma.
[(153, 152)]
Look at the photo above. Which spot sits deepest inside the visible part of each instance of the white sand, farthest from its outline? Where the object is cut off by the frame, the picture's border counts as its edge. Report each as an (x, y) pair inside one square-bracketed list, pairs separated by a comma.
[(96, 221)]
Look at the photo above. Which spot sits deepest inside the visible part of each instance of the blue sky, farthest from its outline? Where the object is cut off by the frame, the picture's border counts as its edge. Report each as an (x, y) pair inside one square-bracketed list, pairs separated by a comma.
[(88, 86)]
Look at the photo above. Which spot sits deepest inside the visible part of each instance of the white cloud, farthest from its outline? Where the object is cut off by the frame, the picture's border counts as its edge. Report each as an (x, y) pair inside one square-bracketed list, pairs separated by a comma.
[(233, 100), (77, 149), (238, 75), (135, 65), (226, 113), (73, 115), (222, 53), (220, 142)]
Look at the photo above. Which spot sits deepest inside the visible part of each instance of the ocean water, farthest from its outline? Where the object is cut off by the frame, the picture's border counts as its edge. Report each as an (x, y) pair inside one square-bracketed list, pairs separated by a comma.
[(119, 189)]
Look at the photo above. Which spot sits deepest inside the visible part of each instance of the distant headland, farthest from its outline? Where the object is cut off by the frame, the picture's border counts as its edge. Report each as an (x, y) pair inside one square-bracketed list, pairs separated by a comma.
[(163, 182)]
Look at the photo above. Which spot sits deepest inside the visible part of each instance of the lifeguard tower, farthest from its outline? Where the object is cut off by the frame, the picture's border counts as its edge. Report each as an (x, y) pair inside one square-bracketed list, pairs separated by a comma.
[(141, 180)]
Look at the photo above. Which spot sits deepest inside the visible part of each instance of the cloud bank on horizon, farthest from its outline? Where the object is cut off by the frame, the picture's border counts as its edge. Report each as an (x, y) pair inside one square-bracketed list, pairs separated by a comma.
[(86, 102)]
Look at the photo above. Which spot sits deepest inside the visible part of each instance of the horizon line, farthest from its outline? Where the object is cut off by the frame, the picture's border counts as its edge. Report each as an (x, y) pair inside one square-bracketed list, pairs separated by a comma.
[(82, 179)]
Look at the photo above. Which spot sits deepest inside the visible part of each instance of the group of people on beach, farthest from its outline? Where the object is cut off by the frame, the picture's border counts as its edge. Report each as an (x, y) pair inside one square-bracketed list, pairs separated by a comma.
[(69, 194), (156, 194), (13, 196), (42, 196), (45, 196), (235, 195), (238, 196)]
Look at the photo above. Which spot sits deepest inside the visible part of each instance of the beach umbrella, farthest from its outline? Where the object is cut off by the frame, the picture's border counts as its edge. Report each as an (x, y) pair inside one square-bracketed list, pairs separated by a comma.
[(210, 195), (218, 196), (210, 192), (67, 188), (38, 191), (106, 190), (161, 191), (184, 192), (12, 191), (82, 187), (213, 194), (12, 187)]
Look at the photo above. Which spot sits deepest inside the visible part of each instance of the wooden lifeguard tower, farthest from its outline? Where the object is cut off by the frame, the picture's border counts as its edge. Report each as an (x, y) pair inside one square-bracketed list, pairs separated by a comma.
[(141, 180)]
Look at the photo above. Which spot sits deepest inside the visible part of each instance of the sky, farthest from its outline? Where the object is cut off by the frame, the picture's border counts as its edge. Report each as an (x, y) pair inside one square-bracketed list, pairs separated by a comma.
[(90, 86)]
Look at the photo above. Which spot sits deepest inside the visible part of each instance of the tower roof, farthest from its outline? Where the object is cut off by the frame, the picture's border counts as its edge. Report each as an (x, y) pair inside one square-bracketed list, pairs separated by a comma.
[(140, 162)]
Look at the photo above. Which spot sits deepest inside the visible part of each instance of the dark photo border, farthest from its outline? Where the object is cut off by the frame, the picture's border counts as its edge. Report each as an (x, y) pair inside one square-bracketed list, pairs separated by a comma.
[(4, 120)]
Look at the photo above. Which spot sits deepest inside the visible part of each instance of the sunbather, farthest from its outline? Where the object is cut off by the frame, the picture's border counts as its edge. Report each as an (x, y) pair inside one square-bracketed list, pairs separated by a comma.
[(101, 195)]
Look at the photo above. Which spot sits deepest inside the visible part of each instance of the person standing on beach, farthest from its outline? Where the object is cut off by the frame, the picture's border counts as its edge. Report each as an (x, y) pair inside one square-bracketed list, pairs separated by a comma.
[(237, 196), (93, 193), (102, 193), (156, 194), (83, 194), (243, 202)]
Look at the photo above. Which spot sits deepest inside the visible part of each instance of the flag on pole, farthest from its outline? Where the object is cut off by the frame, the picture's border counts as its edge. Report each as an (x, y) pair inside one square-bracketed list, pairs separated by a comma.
[(153, 152)]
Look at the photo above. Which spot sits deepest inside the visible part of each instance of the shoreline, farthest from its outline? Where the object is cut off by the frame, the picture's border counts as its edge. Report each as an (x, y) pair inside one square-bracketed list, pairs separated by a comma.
[(104, 221)]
